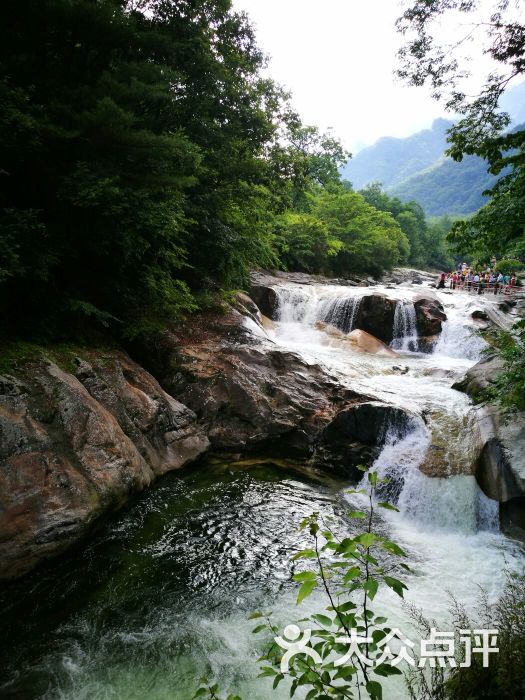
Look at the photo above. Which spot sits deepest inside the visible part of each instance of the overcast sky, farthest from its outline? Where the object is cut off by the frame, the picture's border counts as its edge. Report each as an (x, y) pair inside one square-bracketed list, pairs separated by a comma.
[(337, 57)]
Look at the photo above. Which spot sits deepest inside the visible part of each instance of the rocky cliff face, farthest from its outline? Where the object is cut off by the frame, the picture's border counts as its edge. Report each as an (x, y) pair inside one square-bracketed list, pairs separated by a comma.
[(74, 445)]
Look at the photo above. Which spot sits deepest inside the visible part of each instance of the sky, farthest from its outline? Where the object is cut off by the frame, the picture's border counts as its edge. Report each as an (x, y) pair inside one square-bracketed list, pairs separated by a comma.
[(337, 57)]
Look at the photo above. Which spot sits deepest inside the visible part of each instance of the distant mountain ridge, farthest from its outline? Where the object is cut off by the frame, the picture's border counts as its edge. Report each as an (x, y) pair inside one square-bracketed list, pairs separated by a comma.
[(415, 167), (392, 160)]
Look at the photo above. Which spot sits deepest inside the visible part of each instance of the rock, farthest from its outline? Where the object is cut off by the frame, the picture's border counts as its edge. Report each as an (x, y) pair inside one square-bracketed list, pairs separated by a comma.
[(366, 342), (427, 343), (376, 316), (356, 435), (429, 315), (265, 298), (74, 447), (480, 377), (500, 466), (400, 369)]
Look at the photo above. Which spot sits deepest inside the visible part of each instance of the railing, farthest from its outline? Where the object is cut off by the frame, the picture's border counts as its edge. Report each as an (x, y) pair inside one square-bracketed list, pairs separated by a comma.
[(494, 288)]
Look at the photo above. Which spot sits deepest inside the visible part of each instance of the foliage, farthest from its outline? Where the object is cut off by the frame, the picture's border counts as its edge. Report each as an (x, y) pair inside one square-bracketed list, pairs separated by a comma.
[(349, 571), (427, 240), (505, 675), (371, 240), (144, 156), (508, 387), (509, 266), (304, 243), (481, 131)]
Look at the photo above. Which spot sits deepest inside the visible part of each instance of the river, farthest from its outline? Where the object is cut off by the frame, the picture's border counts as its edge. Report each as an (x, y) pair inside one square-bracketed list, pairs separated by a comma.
[(160, 596)]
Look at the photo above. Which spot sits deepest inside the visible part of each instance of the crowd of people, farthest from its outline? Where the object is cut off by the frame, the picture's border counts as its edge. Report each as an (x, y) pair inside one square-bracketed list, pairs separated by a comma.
[(468, 279)]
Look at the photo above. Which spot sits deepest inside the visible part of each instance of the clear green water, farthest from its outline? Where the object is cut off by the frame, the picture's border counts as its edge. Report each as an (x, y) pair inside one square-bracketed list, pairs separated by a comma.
[(160, 596)]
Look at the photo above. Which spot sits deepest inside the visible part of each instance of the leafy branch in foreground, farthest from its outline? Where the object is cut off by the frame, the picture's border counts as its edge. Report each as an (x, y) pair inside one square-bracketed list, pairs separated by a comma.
[(347, 641)]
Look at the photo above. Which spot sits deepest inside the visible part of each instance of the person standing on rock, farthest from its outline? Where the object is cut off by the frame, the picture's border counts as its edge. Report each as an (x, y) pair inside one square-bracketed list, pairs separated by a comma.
[(441, 282)]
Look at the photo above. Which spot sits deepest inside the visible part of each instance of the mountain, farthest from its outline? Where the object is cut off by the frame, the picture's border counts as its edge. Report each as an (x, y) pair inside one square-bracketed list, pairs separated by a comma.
[(392, 160), (448, 187), (415, 167)]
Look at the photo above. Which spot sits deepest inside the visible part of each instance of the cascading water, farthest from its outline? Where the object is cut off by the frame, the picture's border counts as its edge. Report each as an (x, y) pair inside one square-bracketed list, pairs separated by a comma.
[(449, 504), (340, 313), (306, 306), (405, 328)]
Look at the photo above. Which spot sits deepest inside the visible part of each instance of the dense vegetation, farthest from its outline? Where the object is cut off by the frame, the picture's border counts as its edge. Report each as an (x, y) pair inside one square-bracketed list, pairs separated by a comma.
[(146, 160)]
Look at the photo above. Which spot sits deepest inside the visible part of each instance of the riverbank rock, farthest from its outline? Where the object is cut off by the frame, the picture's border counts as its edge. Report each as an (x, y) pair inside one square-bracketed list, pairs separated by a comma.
[(360, 432), (76, 444), (500, 466), (480, 377), (376, 316), (248, 394)]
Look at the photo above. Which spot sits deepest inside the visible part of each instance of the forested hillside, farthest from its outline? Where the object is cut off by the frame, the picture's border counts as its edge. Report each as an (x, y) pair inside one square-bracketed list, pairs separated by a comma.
[(147, 163), (415, 168), (448, 187), (392, 160)]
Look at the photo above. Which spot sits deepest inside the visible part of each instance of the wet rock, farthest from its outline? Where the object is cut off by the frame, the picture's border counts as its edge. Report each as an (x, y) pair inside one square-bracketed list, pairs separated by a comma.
[(74, 447), (429, 315), (265, 298), (368, 343), (356, 434), (480, 377), (376, 316)]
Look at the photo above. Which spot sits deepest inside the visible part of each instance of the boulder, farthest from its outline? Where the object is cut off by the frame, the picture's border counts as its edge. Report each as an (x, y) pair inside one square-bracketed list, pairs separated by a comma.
[(76, 444), (357, 434), (368, 343), (265, 298), (480, 377), (376, 316), (429, 315)]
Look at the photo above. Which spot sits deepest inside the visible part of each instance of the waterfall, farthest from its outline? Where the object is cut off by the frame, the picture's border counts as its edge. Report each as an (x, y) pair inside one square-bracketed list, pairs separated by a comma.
[(304, 306), (459, 341), (449, 504), (405, 329), (340, 313)]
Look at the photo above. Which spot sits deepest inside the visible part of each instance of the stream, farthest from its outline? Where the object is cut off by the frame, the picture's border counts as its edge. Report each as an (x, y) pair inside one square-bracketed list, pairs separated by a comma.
[(160, 596)]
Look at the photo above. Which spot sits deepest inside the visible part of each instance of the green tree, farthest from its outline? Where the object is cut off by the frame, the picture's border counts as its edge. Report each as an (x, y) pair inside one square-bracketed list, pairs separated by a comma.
[(372, 241), (482, 129)]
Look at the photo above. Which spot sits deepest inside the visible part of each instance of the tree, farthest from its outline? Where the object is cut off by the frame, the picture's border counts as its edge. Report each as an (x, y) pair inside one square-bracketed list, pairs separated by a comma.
[(372, 241), (134, 140), (482, 129)]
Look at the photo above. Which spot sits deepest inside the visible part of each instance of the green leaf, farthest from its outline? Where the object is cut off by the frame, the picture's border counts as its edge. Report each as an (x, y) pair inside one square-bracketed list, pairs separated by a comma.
[(387, 670), (375, 690), (387, 506), (358, 514), (306, 589), (371, 586), (393, 547), (278, 678), (323, 620), (372, 478), (395, 585), (304, 554), (254, 615), (201, 692), (352, 573), (267, 671), (259, 628), (305, 576), (367, 539)]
